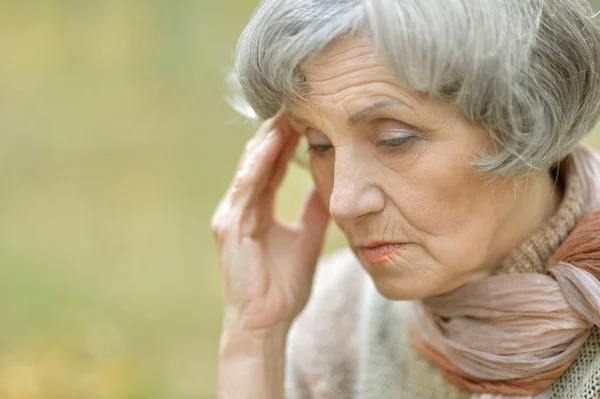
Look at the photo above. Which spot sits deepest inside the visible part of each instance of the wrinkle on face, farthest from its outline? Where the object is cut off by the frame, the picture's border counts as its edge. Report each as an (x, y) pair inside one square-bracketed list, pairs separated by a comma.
[(424, 194)]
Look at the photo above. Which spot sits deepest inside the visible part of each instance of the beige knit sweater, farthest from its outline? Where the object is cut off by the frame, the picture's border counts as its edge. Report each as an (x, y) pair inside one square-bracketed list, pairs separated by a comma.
[(351, 343)]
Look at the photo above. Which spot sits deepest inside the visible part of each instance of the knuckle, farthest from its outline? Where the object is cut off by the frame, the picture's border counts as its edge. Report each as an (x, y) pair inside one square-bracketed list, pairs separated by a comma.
[(244, 179), (238, 184), (217, 224), (250, 144), (224, 223), (217, 228)]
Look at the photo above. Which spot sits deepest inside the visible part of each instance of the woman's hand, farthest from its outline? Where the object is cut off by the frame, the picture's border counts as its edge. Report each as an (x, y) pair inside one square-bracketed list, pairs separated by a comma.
[(267, 267)]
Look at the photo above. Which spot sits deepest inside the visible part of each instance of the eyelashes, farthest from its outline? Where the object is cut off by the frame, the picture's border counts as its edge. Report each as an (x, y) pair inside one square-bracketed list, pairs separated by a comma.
[(386, 134), (319, 149), (396, 142), (393, 144)]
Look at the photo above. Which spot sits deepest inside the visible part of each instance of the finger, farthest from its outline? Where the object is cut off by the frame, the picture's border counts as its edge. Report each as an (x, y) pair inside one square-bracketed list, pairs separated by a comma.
[(288, 152), (261, 134), (267, 199), (291, 138), (279, 126), (245, 199), (282, 162), (259, 213), (264, 208), (257, 168), (313, 224)]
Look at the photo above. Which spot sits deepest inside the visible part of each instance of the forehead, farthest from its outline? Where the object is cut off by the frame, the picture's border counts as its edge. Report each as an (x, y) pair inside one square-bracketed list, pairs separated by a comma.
[(349, 69)]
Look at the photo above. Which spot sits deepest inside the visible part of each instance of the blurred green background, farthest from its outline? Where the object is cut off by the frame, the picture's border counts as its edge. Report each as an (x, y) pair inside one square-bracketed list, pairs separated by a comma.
[(116, 145)]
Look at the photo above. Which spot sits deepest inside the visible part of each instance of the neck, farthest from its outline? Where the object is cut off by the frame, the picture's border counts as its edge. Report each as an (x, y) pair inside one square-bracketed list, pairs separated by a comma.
[(537, 199)]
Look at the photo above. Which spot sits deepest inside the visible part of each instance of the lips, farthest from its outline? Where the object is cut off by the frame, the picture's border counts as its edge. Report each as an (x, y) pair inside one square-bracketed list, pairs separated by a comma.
[(377, 253)]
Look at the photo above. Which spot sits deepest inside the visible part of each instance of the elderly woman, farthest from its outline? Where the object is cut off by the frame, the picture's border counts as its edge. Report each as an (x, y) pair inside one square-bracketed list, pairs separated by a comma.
[(444, 142)]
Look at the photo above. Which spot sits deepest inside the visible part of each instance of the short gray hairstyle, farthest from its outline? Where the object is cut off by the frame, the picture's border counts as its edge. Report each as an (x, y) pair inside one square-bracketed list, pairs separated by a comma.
[(527, 71)]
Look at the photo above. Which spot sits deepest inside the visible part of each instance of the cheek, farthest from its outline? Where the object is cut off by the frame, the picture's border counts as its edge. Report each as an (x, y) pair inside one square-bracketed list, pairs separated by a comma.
[(438, 193), (452, 209)]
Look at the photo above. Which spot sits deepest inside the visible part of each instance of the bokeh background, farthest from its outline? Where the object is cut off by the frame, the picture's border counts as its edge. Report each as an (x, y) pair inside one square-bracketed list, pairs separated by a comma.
[(115, 146)]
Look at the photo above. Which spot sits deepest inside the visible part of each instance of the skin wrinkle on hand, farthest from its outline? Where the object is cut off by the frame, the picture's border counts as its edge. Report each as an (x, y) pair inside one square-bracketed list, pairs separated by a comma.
[(459, 223)]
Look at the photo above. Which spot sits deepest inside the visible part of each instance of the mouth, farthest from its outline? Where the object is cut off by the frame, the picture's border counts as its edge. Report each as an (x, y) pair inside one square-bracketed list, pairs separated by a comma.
[(380, 252)]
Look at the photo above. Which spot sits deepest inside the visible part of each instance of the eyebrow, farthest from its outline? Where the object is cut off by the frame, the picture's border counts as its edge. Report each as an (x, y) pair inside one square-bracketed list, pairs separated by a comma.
[(357, 116)]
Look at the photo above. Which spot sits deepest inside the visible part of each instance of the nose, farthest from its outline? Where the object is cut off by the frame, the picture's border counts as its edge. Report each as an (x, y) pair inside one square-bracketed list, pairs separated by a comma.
[(354, 193)]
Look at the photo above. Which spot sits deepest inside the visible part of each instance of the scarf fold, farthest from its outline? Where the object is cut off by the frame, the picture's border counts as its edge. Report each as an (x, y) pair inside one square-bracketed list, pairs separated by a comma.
[(514, 335)]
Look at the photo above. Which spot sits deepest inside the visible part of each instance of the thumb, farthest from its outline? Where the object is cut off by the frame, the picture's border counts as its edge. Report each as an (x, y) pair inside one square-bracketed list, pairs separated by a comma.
[(312, 224)]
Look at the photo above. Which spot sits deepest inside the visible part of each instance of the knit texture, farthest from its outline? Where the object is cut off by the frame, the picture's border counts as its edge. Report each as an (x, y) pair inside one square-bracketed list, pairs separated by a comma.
[(351, 342)]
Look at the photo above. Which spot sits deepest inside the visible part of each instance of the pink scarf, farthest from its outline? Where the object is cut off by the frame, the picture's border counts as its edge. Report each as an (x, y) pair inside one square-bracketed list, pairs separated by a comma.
[(515, 335)]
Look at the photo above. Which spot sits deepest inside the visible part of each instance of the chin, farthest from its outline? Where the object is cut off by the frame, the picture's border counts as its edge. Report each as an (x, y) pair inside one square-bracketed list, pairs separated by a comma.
[(400, 289)]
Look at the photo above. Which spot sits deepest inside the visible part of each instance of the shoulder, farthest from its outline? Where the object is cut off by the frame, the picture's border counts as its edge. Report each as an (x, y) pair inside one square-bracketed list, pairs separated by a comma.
[(322, 343)]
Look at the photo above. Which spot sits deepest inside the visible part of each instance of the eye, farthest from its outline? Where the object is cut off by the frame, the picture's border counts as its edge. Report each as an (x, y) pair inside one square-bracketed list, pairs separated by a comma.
[(396, 142), (392, 134), (320, 149)]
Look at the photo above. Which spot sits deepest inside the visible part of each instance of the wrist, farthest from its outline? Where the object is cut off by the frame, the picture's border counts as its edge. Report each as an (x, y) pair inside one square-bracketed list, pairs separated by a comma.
[(251, 362), (235, 323), (236, 340)]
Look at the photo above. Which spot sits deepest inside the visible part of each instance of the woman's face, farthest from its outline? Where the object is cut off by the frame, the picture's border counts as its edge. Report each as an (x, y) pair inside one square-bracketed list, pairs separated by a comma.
[(393, 168)]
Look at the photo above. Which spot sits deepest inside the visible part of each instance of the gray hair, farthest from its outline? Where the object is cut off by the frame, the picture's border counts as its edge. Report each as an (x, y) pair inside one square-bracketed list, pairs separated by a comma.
[(527, 71)]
